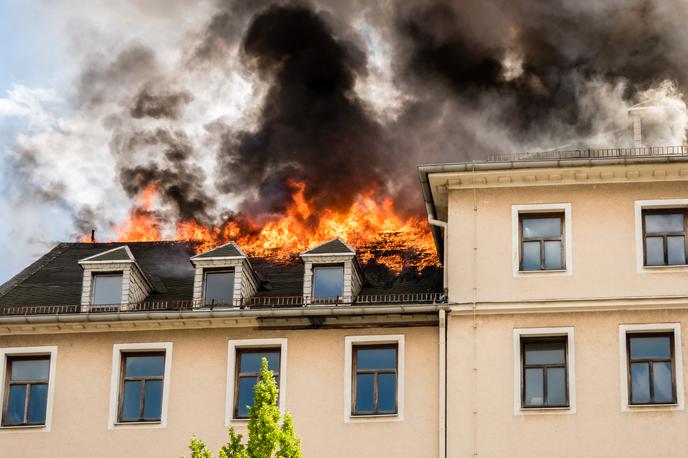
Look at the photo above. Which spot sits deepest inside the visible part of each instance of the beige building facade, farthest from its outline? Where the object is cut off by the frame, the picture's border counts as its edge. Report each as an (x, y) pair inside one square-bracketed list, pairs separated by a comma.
[(557, 327)]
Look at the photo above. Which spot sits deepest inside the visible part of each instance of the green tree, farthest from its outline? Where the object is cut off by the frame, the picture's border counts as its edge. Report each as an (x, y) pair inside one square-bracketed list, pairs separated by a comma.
[(269, 436)]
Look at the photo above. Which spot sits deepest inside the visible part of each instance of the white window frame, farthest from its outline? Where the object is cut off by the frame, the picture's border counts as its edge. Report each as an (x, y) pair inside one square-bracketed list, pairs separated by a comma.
[(211, 271), (623, 365), (232, 347), (94, 280), (641, 205), (516, 211), (117, 350), (349, 342), (570, 370), (50, 351)]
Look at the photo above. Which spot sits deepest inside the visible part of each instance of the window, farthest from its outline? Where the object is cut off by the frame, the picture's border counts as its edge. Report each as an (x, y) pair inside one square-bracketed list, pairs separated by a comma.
[(107, 289), (219, 287), (328, 282), (243, 369), (26, 390), (651, 368), (542, 241), (140, 385), (664, 236), (248, 373), (544, 379), (374, 380), (141, 388), (544, 371), (27, 374)]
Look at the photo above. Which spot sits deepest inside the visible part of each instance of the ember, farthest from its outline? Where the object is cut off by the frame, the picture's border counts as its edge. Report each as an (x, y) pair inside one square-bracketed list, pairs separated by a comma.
[(370, 225)]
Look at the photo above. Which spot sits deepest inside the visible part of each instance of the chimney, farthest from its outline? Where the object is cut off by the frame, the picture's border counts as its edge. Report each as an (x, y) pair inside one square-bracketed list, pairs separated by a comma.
[(93, 236)]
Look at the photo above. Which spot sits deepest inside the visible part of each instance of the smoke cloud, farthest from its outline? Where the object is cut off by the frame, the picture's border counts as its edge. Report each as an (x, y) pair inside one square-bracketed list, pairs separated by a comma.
[(245, 97)]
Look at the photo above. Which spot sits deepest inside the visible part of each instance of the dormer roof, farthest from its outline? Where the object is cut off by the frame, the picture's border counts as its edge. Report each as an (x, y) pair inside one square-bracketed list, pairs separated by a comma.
[(115, 255), (227, 251), (334, 247)]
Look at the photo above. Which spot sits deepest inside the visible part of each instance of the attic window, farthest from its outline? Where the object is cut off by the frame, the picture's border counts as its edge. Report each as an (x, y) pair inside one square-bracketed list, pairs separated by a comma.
[(107, 289), (219, 287), (328, 282)]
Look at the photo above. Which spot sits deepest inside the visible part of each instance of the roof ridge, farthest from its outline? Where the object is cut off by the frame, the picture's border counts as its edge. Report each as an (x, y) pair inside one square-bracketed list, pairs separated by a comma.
[(32, 268)]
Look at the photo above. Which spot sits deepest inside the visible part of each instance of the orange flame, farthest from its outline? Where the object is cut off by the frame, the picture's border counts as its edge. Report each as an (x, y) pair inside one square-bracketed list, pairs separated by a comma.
[(370, 225)]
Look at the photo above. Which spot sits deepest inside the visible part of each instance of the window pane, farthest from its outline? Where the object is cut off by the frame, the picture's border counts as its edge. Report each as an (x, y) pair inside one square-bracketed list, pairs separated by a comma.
[(670, 222), (553, 255), (219, 288), (662, 382), (640, 383), (144, 366), (107, 289), (30, 369), (544, 352), (654, 251), (556, 386), (328, 282), (131, 402), (650, 347), (676, 247), (15, 405), (387, 393), (246, 385), (531, 255), (365, 393), (251, 362), (153, 400), (38, 404), (541, 227), (534, 390), (376, 358)]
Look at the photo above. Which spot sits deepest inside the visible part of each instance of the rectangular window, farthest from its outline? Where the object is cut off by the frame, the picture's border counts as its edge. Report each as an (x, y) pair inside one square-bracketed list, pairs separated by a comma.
[(141, 387), (219, 287), (249, 362), (544, 378), (328, 282), (107, 289), (374, 384), (541, 241), (26, 390), (664, 236), (651, 372)]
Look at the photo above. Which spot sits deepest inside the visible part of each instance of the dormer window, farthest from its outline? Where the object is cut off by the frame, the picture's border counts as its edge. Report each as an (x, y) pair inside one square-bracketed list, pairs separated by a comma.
[(328, 282), (107, 289), (218, 287)]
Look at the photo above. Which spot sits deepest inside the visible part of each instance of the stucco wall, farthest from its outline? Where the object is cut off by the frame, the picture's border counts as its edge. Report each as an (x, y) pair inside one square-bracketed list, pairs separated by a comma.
[(604, 247), (597, 428), (315, 396)]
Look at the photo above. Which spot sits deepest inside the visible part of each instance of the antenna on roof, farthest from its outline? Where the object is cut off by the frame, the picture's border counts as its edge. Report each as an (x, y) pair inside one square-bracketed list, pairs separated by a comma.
[(93, 236)]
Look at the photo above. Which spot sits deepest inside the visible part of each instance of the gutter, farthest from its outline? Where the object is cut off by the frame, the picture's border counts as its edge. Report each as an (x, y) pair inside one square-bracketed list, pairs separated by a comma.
[(443, 225), (442, 383), (205, 314)]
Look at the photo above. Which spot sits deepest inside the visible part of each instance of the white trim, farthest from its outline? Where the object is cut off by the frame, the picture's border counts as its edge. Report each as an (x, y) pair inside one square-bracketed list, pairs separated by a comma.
[(641, 205), (242, 255), (117, 350), (28, 351), (516, 210), (126, 250), (623, 366), (570, 370), (349, 342), (232, 346)]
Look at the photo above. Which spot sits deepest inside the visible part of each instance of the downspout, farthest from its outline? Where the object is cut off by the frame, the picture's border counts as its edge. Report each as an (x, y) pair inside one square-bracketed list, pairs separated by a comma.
[(443, 226), (443, 384)]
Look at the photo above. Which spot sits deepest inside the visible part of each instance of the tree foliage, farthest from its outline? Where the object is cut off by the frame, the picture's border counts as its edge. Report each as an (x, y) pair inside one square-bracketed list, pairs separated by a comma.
[(269, 435)]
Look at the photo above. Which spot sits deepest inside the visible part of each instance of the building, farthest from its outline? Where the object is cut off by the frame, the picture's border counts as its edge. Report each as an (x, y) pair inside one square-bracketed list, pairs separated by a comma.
[(555, 328)]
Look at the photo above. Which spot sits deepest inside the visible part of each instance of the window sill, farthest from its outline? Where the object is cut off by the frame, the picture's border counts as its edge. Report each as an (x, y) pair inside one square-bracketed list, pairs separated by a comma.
[(564, 410), (652, 407), (668, 268), (23, 427), (393, 417), (544, 273), (137, 425)]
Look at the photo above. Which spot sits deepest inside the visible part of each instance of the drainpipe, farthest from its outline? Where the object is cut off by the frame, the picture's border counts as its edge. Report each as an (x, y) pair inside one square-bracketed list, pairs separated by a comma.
[(443, 226), (443, 384)]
